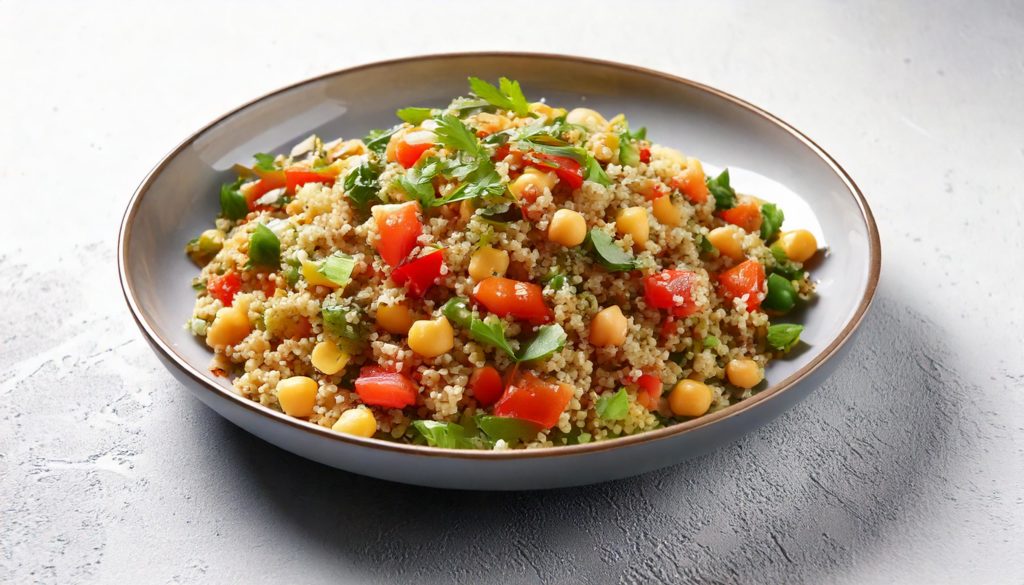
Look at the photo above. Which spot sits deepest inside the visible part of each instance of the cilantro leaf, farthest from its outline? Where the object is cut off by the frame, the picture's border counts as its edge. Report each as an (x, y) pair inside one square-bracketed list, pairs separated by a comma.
[(377, 140), (337, 268), (614, 406), (506, 428), (607, 253), (361, 186), (771, 220), (549, 339), (445, 435), (784, 335), (489, 331), (232, 202), (725, 196), (414, 116), (509, 97), (453, 133), (264, 248), (515, 96), (265, 161)]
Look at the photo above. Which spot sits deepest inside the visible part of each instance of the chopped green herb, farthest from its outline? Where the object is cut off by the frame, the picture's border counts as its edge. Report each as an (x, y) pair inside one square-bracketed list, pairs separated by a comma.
[(414, 116), (549, 339), (594, 172), (453, 133), (725, 196), (445, 435), (264, 248), (507, 429), (554, 280), (232, 203), (418, 181), (710, 342), (784, 266), (265, 162), (508, 97), (337, 321), (361, 185), (501, 213), (377, 140), (607, 253), (704, 245), (771, 220), (629, 153), (614, 406), (490, 331), (784, 335), (781, 296), (198, 284), (337, 268), (291, 274)]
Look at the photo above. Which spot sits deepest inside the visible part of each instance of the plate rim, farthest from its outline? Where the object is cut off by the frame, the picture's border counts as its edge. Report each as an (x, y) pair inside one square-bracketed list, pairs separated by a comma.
[(171, 356)]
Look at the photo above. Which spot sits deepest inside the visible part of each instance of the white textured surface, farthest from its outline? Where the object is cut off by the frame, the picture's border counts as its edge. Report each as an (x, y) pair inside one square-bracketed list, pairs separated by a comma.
[(908, 466)]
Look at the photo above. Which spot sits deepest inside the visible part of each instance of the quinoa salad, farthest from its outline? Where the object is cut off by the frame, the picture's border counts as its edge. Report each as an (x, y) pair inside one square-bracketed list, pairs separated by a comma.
[(495, 274)]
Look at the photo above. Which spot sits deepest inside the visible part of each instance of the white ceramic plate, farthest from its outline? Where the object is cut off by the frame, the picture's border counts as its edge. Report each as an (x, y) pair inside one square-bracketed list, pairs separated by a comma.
[(765, 156)]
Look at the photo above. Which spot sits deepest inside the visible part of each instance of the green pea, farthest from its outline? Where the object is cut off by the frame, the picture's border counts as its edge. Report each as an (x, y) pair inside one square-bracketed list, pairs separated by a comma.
[(781, 295)]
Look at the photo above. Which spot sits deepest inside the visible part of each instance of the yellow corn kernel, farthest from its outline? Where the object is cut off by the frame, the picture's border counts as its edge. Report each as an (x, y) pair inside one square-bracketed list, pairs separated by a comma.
[(743, 372), (799, 245), (395, 319), (311, 272), (356, 421), (633, 221), (230, 325), (587, 118), (297, 395), (604, 145), (728, 241), (329, 358), (487, 262), (689, 398), (608, 328), (666, 212), (532, 183), (567, 228), (431, 338)]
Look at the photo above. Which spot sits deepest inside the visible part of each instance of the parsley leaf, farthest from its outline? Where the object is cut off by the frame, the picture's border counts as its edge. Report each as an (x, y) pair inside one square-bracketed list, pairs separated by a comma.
[(607, 253), (337, 268), (509, 97), (452, 132), (377, 140), (336, 321), (264, 248), (771, 220), (445, 435), (594, 172), (483, 182), (784, 335), (361, 185), (265, 161), (418, 181), (490, 331), (549, 339), (414, 116), (725, 196), (506, 428), (614, 406), (232, 202)]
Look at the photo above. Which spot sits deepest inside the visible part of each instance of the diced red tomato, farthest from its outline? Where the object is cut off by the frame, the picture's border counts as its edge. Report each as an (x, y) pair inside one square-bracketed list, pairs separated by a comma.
[(746, 215), (407, 154), (486, 385), (262, 187), (419, 274), (504, 296), (501, 152), (531, 398), (398, 226), (648, 391), (225, 287), (691, 183), (297, 178), (746, 278), (672, 289), (645, 155), (379, 387), (568, 170)]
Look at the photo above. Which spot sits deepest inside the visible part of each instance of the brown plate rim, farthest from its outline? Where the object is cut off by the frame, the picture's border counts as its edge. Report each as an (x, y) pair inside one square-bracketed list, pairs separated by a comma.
[(173, 357)]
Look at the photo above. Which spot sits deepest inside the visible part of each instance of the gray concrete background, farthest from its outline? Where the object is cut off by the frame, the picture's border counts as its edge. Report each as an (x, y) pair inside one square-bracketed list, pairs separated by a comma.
[(906, 467)]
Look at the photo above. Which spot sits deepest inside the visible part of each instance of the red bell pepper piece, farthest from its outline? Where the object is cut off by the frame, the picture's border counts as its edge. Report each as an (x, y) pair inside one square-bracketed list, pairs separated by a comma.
[(746, 278), (672, 289), (746, 215), (568, 170), (504, 296), (419, 274), (262, 187), (645, 155), (297, 178), (398, 227), (531, 398), (224, 287), (379, 387)]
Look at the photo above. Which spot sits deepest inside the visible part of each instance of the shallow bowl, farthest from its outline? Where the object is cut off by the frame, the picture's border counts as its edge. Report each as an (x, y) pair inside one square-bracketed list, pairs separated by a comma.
[(765, 156)]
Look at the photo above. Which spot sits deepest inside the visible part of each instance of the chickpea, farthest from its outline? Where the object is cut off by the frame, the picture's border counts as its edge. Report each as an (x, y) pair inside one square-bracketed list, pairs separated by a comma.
[(230, 326), (589, 119), (666, 212), (297, 395), (395, 319), (487, 262), (356, 421), (604, 145), (689, 398), (567, 228), (633, 221), (743, 372), (608, 328), (728, 241), (532, 183), (329, 358), (431, 338), (799, 245)]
